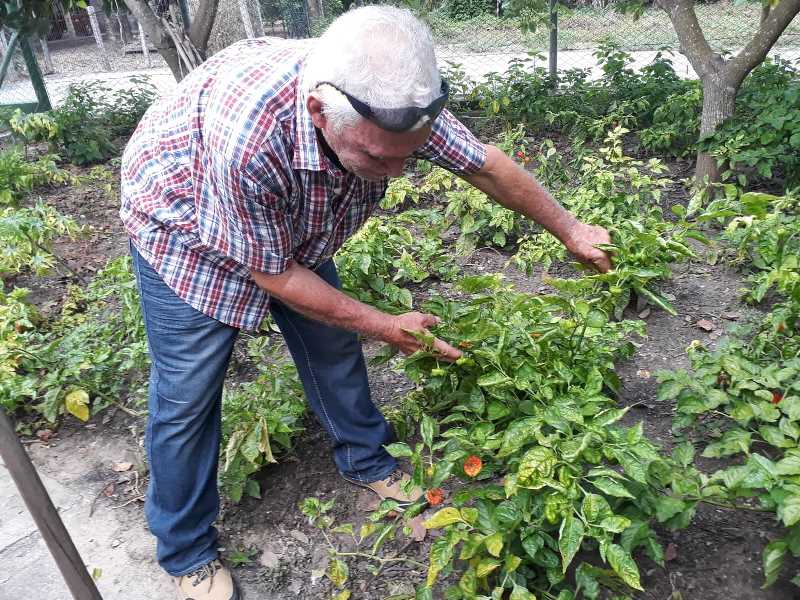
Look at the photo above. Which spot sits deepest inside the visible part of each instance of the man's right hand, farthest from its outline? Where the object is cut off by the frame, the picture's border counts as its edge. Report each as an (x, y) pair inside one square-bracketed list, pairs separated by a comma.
[(419, 322)]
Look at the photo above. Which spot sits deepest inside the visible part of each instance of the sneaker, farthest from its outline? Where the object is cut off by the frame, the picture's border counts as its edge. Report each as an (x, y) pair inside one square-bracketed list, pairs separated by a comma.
[(210, 582), (392, 487)]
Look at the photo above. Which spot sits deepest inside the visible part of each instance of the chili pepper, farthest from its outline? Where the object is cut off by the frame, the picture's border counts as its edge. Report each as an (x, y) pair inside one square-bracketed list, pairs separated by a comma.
[(473, 465), (434, 496)]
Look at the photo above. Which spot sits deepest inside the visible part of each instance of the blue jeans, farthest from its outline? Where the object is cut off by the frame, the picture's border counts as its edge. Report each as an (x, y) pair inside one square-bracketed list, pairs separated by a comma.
[(190, 353)]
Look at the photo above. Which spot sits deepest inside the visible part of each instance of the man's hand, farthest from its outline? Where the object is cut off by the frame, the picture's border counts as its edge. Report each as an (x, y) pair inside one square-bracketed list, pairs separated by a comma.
[(408, 344), (581, 245)]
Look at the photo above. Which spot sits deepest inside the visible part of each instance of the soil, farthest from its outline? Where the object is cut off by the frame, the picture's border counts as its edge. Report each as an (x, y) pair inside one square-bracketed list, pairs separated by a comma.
[(717, 558)]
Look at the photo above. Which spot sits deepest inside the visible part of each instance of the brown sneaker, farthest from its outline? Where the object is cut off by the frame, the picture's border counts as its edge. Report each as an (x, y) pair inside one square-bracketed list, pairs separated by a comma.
[(210, 582), (392, 487)]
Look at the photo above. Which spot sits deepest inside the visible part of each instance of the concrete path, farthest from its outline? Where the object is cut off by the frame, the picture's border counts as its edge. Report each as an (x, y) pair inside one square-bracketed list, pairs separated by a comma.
[(111, 541), (475, 65)]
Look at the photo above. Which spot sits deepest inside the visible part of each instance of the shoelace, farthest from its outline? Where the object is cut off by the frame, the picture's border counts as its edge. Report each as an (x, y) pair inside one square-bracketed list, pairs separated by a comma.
[(203, 573), (394, 477)]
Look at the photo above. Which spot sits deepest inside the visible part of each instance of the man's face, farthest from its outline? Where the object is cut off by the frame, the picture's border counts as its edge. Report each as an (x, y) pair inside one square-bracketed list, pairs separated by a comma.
[(373, 153), (368, 151)]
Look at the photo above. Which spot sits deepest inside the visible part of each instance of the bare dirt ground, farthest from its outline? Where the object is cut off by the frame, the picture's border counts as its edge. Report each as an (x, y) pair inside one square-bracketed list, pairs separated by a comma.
[(717, 558)]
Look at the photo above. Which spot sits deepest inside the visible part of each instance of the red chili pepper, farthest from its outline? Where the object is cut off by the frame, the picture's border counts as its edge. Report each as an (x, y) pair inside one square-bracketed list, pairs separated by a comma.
[(434, 496), (776, 397), (473, 466)]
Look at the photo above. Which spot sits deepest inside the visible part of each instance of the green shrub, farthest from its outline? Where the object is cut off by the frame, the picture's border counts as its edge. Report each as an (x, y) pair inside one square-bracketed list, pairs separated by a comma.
[(259, 418), (764, 134), (26, 238), (80, 361), (463, 10), (19, 176), (84, 128)]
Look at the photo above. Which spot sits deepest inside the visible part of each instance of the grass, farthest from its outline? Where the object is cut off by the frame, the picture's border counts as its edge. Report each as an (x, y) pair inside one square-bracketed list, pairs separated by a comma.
[(724, 24)]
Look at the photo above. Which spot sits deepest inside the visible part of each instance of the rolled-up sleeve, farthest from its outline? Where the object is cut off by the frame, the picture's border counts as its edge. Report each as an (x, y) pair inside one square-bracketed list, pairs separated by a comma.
[(453, 147), (251, 220)]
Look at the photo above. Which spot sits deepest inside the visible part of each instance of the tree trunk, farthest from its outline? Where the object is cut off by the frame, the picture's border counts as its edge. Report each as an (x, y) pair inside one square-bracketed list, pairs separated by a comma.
[(181, 50), (719, 97), (721, 78)]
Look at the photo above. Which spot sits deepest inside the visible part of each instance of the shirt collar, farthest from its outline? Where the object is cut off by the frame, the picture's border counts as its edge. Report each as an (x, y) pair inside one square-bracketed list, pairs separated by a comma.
[(307, 152)]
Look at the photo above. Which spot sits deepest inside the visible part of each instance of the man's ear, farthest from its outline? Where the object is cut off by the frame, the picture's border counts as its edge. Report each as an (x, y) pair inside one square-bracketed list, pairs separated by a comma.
[(314, 106)]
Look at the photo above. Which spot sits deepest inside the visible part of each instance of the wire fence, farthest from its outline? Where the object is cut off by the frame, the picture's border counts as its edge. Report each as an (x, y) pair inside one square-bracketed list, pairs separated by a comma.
[(110, 45)]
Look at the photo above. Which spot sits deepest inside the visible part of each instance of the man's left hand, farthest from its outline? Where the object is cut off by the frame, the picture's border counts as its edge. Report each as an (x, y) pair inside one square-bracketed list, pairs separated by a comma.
[(581, 244)]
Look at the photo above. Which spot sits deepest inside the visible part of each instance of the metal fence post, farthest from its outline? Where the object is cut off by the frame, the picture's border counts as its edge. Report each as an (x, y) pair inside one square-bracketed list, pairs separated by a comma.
[(248, 24), (185, 17), (36, 75), (553, 42), (259, 24), (145, 49), (49, 522), (98, 35)]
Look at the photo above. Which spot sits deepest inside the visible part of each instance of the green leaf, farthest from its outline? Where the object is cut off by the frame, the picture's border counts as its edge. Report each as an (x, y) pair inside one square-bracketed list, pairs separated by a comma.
[(789, 464), (570, 537), (399, 450), (615, 524), (338, 572), (667, 507), (521, 593), (536, 464), (443, 518), (343, 595), (494, 544), (734, 441), (518, 434), (684, 453), (611, 487), (595, 508), (789, 510), (607, 417), (494, 378), (427, 430), (532, 544), (596, 318), (440, 556), (486, 566), (586, 581), (77, 404), (773, 556), (624, 566)]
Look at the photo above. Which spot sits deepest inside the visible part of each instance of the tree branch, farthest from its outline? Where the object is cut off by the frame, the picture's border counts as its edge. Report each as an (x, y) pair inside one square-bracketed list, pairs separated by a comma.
[(771, 28), (692, 42), (202, 24)]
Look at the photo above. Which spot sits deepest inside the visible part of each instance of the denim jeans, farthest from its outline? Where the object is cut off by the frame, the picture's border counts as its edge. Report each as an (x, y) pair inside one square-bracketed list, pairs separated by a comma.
[(190, 353)]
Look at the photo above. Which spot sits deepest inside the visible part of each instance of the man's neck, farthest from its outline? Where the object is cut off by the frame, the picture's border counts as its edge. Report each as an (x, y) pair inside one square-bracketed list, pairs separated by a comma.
[(327, 150)]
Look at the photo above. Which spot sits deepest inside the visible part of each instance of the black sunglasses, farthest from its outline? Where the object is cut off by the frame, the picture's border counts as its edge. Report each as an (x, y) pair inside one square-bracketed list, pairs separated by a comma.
[(396, 119)]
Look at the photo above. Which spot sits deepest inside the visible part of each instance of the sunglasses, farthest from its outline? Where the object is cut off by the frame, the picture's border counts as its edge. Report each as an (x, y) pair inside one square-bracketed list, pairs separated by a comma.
[(396, 119)]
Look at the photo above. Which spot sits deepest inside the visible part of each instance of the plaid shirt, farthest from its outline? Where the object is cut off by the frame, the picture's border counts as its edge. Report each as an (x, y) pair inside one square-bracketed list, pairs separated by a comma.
[(226, 176)]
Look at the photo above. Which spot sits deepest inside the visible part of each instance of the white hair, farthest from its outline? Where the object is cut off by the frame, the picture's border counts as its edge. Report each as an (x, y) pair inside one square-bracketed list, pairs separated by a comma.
[(381, 55)]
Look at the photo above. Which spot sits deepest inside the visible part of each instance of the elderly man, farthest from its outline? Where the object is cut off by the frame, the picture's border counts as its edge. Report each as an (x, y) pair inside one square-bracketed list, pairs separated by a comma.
[(236, 192)]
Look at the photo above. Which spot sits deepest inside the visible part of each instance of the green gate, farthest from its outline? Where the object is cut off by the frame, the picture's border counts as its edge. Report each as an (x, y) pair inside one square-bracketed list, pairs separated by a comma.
[(30, 95)]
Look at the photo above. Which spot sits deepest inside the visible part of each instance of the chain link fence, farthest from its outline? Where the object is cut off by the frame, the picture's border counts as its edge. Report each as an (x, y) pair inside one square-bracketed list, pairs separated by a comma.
[(105, 42)]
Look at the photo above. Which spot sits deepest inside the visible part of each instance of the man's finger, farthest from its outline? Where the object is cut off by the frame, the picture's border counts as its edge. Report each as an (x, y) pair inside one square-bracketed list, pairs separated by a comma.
[(446, 351), (603, 263), (429, 320)]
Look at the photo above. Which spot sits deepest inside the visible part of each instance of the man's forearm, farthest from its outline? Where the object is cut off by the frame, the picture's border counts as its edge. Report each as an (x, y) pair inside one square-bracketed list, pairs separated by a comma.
[(516, 189), (310, 295)]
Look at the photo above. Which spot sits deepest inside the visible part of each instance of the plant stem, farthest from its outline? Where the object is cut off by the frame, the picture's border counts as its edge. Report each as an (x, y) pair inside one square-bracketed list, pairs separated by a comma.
[(389, 559), (732, 506)]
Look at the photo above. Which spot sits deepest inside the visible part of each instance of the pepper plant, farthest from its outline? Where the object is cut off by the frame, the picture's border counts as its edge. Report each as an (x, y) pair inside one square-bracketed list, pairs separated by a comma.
[(532, 401)]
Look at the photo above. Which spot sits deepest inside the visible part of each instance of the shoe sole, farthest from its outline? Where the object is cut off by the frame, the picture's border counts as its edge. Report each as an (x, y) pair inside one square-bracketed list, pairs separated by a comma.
[(402, 505)]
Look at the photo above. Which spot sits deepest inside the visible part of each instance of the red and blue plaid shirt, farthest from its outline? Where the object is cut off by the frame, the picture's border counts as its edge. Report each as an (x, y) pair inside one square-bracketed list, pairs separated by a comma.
[(226, 176)]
